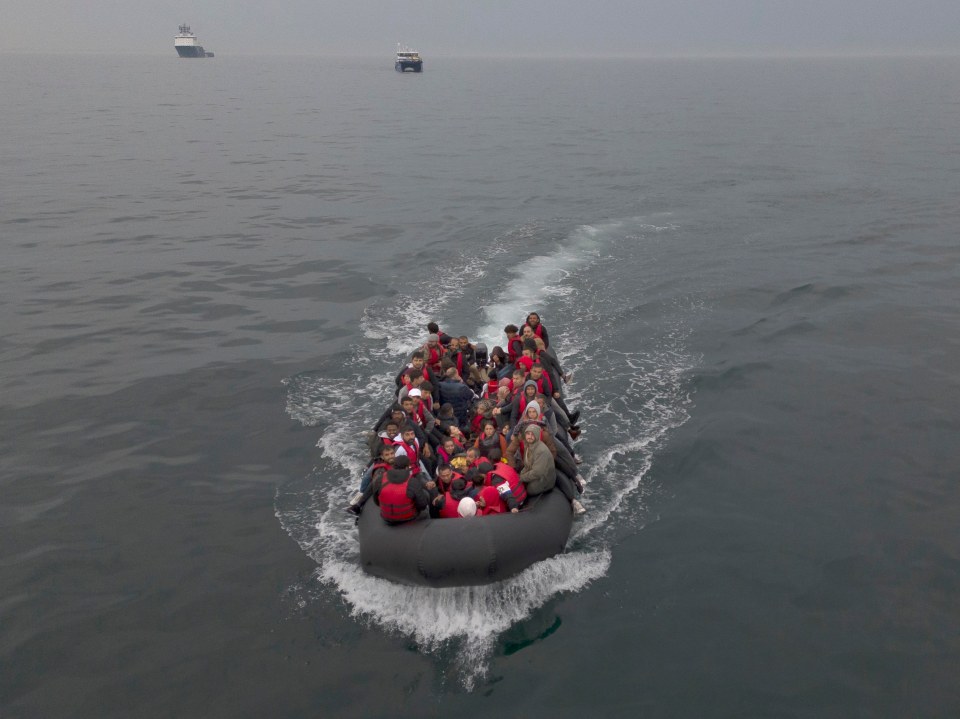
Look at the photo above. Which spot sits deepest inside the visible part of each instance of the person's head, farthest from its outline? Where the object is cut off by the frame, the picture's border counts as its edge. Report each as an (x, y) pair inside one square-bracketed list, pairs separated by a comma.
[(444, 473), (401, 462), (392, 428), (489, 428), (467, 507), (408, 404), (417, 359), (425, 388), (433, 328), (446, 410), (398, 415), (483, 469), (458, 485), (464, 342), (432, 340), (511, 330), (415, 376), (397, 476), (416, 395), (388, 453), (451, 374), (536, 371), (454, 344), (408, 434), (527, 352), (532, 411), (528, 332), (530, 343), (473, 454), (449, 446), (530, 389), (530, 435), (533, 319), (518, 376), (503, 391)]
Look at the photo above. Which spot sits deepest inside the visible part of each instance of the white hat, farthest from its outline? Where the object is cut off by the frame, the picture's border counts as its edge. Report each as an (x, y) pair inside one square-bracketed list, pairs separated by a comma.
[(467, 507), (414, 393)]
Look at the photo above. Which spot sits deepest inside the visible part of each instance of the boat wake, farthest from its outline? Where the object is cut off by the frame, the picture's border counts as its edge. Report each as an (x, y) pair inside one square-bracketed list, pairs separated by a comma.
[(630, 401)]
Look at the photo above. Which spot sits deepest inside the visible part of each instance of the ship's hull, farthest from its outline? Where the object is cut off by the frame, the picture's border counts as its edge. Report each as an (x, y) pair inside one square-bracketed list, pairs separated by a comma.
[(191, 51), (404, 65)]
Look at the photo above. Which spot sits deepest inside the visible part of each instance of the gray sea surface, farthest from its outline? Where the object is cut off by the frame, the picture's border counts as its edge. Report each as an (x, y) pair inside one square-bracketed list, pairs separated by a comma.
[(211, 271)]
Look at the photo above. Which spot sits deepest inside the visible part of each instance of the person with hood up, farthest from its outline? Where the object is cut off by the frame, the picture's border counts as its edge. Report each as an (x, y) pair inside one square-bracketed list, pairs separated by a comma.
[(538, 473)]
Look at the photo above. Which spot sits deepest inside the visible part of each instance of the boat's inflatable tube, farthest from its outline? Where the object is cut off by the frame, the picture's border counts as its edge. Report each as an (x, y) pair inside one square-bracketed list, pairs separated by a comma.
[(464, 551)]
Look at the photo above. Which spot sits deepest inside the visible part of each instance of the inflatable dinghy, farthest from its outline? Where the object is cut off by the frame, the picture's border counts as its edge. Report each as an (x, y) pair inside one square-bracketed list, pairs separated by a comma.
[(466, 551)]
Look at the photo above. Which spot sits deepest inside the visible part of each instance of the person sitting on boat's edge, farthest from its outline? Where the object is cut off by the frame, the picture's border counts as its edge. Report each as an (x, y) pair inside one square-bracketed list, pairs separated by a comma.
[(403, 496), (538, 473), (434, 329), (433, 352), (536, 328), (538, 476)]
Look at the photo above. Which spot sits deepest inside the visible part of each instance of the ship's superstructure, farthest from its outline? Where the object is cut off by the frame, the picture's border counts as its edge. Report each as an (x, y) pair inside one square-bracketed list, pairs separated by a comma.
[(187, 45)]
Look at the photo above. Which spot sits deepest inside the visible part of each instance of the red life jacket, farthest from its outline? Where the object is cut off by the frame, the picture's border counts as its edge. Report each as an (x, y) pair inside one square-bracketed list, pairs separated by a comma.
[(444, 486), (395, 505), (450, 506), (506, 479), (514, 349), (433, 355), (458, 362), (544, 385), (493, 386), (493, 503)]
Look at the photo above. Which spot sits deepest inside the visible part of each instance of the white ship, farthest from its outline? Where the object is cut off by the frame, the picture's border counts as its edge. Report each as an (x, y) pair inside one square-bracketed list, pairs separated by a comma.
[(408, 59), (187, 45)]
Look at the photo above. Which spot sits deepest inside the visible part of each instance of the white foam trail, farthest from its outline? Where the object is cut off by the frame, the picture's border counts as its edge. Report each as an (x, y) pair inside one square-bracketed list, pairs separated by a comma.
[(639, 398)]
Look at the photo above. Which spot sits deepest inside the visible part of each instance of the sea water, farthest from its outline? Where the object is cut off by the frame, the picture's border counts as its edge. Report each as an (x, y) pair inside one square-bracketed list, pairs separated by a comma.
[(212, 272)]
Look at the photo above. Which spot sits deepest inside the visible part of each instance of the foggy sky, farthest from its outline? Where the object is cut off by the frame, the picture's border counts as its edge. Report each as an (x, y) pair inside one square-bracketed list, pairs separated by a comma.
[(476, 27)]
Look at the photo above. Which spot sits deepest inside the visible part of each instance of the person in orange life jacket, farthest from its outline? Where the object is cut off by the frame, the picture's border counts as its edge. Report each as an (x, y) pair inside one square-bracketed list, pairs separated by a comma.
[(434, 329), (444, 506), (490, 439), (433, 352), (402, 496), (537, 328)]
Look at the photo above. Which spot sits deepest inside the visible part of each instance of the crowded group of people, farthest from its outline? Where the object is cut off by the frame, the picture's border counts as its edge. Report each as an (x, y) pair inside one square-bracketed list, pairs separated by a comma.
[(472, 434)]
